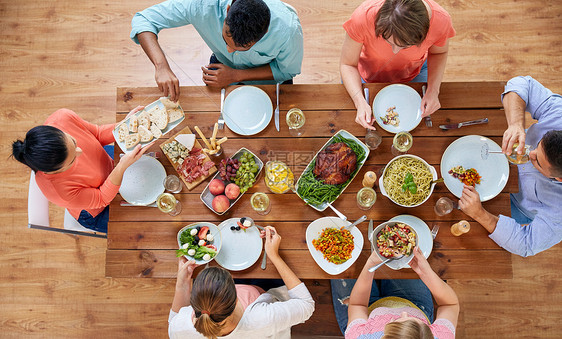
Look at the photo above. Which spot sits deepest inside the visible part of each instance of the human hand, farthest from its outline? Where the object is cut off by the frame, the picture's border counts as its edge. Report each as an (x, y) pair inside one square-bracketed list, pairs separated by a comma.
[(373, 259), (222, 76), (364, 115), (512, 135), (430, 103), (129, 158), (419, 263), (168, 83), (135, 110), (272, 241), (470, 202), (185, 271)]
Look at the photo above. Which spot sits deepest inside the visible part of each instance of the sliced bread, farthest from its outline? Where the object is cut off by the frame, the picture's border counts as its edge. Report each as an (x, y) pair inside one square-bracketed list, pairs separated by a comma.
[(145, 134), (122, 131), (133, 123), (169, 104), (132, 140), (144, 120), (155, 131), (160, 118), (174, 114)]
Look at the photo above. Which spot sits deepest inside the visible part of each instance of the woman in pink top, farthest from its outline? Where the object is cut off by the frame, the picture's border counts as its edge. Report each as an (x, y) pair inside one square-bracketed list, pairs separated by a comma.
[(397, 317), (390, 41), (71, 167), (214, 306)]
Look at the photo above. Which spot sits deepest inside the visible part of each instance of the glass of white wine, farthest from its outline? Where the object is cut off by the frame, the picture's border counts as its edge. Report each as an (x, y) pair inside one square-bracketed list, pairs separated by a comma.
[(402, 143), (295, 120), (366, 198), (167, 203), (260, 203)]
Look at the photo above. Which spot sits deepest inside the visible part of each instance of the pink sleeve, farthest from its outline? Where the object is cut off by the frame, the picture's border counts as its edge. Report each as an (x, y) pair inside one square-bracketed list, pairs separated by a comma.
[(443, 329), (103, 133), (445, 28), (355, 26)]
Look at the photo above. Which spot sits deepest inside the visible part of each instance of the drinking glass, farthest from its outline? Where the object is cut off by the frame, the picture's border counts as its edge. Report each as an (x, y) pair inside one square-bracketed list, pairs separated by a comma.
[(167, 203), (518, 159), (260, 203), (278, 177), (372, 139), (172, 183), (444, 206), (295, 120), (366, 198), (401, 143)]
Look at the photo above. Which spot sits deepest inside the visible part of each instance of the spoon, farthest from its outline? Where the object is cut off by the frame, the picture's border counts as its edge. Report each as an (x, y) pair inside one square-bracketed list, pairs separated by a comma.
[(360, 220), (374, 268), (340, 215), (436, 181)]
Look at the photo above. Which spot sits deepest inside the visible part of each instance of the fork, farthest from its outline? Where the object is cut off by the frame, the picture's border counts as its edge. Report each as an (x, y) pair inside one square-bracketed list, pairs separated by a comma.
[(221, 119), (434, 231), (264, 260), (427, 119)]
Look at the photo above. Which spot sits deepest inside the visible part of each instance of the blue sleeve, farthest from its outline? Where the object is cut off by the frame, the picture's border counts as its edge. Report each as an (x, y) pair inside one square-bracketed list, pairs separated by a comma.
[(532, 92), (287, 64), (539, 235), (168, 14)]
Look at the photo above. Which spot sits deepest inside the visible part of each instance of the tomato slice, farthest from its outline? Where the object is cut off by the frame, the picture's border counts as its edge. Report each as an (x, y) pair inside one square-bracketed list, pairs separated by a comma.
[(203, 232), (211, 246)]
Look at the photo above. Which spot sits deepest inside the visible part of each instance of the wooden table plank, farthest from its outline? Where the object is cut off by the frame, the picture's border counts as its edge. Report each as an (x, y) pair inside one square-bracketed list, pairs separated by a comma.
[(162, 235), (315, 97), (448, 264), (289, 208), (325, 123)]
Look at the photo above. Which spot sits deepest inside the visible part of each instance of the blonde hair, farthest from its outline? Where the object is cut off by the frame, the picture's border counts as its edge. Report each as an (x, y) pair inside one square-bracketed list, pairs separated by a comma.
[(407, 329), (213, 298)]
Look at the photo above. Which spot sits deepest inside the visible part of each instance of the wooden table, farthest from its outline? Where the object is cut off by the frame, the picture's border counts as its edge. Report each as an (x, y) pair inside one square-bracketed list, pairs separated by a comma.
[(142, 240)]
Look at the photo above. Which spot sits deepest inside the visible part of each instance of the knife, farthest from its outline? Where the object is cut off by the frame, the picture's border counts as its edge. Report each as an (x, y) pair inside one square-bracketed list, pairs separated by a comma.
[(370, 230), (277, 108), (124, 203), (427, 119), (466, 123)]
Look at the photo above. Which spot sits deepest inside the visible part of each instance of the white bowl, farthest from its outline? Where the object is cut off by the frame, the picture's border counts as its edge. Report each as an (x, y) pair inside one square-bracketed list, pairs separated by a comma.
[(424, 239), (408, 107), (466, 151), (314, 230), (143, 181), (431, 169), (217, 240)]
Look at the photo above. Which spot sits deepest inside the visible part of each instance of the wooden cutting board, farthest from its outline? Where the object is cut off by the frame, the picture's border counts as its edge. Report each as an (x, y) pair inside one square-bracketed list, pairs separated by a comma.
[(202, 178)]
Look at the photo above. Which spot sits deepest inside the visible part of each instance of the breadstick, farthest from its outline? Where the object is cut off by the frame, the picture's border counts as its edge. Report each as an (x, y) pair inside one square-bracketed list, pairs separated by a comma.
[(214, 137), (222, 140), (203, 137)]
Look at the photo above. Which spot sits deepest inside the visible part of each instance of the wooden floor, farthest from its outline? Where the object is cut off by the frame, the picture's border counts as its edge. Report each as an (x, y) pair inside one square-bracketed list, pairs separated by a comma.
[(73, 54)]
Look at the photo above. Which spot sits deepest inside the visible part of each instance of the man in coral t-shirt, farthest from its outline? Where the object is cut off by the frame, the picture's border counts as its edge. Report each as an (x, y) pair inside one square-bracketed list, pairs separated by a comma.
[(390, 41)]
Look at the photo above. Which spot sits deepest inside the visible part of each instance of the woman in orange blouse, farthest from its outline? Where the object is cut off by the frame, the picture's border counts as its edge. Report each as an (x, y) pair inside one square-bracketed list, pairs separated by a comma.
[(71, 167)]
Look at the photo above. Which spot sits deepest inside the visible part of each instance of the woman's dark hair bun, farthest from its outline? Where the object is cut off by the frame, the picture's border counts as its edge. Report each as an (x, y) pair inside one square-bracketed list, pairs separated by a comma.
[(44, 149)]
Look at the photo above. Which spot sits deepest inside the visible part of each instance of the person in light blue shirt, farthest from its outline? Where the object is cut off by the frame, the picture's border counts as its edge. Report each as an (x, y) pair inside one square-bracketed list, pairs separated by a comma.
[(250, 39), (536, 222)]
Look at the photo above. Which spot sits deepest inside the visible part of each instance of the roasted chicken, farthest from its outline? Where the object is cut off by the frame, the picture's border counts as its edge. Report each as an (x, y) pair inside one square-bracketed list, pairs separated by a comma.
[(335, 164)]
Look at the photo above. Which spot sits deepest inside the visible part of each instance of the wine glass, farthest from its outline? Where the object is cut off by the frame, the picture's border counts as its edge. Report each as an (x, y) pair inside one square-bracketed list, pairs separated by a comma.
[(366, 198), (444, 206), (401, 143), (295, 120), (260, 203), (167, 203)]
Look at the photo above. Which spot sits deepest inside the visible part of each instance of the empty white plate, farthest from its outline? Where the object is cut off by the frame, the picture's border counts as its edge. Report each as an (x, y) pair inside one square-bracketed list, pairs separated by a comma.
[(240, 249), (247, 110), (143, 181), (408, 107)]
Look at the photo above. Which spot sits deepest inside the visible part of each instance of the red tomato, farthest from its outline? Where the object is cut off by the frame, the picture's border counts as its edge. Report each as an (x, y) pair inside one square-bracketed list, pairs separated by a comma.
[(211, 246), (203, 232)]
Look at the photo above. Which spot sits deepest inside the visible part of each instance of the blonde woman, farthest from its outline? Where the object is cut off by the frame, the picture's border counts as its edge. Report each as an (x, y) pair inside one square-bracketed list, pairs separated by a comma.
[(401, 309), (213, 306)]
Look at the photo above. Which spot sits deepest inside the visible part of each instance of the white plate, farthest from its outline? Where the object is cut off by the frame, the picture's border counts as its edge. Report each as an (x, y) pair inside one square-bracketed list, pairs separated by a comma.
[(217, 240), (143, 181), (247, 110), (431, 169), (425, 240), (408, 107), (314, 230), (240, 249), (466, 151)]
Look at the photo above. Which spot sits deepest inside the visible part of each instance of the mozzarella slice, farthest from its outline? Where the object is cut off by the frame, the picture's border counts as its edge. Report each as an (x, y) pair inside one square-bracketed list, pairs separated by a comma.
[(188, 140)]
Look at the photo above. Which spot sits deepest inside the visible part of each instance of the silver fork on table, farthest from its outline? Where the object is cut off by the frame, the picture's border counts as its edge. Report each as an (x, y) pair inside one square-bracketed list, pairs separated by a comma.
[(221, 119), (264, 260), (434, 230)]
